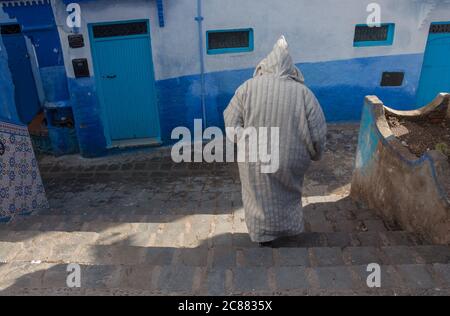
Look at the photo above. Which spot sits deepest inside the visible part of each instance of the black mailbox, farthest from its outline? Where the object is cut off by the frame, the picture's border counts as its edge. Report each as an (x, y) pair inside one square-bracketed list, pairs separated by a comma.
[(76, 40), (80, 68), (392, 79)]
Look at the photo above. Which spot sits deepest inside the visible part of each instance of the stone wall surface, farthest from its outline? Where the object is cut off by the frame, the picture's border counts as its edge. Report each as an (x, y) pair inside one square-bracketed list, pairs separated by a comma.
[(404, 189)]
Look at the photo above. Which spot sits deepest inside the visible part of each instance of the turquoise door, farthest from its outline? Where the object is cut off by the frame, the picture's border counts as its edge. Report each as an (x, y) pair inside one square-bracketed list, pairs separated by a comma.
[(124, 75), (435, 76)]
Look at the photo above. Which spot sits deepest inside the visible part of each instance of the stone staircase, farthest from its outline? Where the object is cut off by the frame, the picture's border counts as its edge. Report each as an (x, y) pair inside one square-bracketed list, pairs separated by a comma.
[(142, 253), (152, 228)]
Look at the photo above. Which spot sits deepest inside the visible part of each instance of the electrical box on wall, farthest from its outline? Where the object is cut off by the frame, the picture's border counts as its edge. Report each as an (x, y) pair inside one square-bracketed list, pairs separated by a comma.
[(76, 40), (392, 79), (80, 68)]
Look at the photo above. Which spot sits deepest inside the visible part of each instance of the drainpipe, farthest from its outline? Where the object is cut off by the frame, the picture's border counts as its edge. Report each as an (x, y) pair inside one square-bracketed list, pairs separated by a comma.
[(199, 20)]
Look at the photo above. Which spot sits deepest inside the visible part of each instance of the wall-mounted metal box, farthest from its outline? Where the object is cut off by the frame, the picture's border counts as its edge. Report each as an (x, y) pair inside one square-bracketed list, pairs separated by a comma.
[(392, 79), (76, 40), (81, 68)]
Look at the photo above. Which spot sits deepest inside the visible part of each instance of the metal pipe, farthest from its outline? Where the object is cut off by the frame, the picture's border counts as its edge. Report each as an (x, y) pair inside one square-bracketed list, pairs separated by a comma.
[(199, 20)]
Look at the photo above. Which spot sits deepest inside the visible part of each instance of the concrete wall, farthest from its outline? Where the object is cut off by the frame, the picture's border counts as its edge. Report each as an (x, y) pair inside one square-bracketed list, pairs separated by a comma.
[(404, 189)]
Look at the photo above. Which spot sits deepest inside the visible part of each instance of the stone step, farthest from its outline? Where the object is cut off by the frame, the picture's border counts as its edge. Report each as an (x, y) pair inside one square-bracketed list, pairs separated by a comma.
[(413, 279), (178, 236), (317, 221), (57, 249)]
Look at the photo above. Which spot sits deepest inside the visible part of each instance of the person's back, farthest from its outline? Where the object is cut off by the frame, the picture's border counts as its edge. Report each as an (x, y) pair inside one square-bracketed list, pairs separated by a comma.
[(277, 97)]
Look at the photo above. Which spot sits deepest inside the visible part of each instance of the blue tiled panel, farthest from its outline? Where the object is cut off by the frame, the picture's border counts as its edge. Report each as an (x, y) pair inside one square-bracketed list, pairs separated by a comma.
[(21, 188)]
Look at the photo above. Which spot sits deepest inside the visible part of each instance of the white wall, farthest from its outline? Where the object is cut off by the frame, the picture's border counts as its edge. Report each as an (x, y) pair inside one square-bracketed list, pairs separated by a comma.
[(175, 48), (316, 30)]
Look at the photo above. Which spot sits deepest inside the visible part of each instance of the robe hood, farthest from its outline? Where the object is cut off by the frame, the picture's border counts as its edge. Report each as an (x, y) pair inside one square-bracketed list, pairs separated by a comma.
[(279, 62)]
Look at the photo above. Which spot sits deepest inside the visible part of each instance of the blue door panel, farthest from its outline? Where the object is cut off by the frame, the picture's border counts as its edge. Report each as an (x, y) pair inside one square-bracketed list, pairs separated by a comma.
[(435, 76), (124, 74), (26, 95)]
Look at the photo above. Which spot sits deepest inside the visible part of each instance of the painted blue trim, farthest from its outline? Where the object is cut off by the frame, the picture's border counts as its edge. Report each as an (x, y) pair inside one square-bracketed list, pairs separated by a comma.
[(388, 42), (247, 49), (160, 6)]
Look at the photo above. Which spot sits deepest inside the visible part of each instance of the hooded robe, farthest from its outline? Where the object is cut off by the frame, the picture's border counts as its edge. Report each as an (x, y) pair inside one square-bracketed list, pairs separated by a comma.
[(277, 97)]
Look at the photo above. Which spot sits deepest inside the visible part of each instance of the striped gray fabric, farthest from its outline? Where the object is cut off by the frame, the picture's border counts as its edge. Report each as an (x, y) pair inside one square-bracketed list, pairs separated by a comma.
[(277, 97)]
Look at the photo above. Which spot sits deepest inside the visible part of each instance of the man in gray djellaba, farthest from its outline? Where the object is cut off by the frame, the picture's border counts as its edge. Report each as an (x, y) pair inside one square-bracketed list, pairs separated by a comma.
[(277, 96)]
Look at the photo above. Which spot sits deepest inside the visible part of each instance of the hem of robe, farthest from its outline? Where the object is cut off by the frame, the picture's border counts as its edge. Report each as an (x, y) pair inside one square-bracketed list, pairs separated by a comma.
[(274, 237)]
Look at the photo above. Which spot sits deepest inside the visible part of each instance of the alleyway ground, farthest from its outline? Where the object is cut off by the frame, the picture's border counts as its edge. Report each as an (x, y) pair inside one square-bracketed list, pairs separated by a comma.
[(139, 224)]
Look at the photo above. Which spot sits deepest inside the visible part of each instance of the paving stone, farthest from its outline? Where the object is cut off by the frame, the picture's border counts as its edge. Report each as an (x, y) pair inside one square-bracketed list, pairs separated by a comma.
[(22, 275), (291, 278), (343, 216), (223, 240), (216, 282), (159, 256), (243, 241), (401, 239), (98, 277), (9, 250), (326, 257), (370, 239), (346, 226), (305, 240), (334, 278), (389, 277), (249, 280), (136, 277), (363, 255), (56, 276), (341, 240), (222, 230), (64, 253), (196, 257), (258, 257), (375, 225), (364, 214), (316, 222), (176, 279), (416, 276), (434, 254), (224, 257), (292, 257), (400, 255), (129, 255), (443, 271)]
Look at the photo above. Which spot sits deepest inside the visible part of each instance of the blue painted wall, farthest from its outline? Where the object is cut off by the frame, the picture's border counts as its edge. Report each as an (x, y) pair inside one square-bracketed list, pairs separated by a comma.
[(340, 86), (87, 114), (8, 112), (39, 25)]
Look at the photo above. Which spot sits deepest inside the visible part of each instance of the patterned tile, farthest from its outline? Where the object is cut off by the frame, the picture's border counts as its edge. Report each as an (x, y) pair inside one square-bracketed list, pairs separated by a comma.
[(21, 188)]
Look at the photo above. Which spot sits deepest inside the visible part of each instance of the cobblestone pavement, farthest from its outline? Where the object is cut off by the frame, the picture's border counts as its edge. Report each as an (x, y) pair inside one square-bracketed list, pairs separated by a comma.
[(139, 224)]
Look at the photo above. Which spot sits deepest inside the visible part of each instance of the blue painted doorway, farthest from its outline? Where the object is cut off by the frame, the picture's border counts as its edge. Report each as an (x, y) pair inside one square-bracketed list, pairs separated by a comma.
[(25, 92), (124, 73), (435, 76)]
